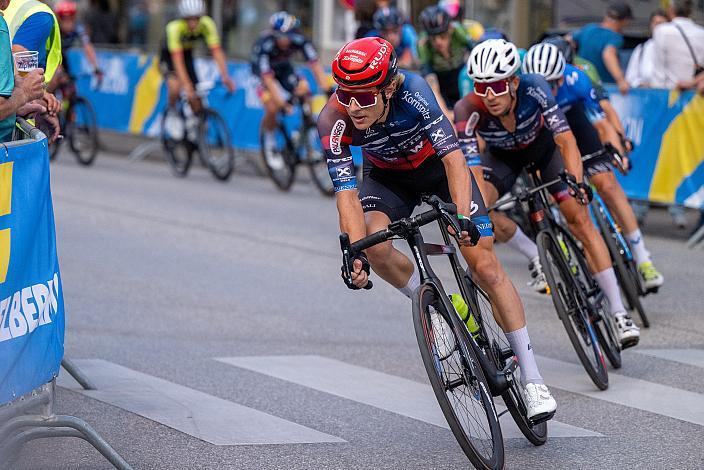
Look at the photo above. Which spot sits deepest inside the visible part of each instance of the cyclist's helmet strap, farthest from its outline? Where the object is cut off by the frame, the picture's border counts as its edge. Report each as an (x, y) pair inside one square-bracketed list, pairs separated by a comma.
[(493, 60), (546, 60), (435, 20), (365, 63), (387, 18)]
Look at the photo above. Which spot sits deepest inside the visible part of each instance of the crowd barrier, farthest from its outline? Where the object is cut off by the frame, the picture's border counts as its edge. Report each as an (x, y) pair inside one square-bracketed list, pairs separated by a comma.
[(667, 127), (31, 303)]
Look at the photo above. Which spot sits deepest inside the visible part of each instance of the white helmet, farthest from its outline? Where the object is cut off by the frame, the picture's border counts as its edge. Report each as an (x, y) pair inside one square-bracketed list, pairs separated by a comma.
[(546, 60), (191, 8), (492, 60)]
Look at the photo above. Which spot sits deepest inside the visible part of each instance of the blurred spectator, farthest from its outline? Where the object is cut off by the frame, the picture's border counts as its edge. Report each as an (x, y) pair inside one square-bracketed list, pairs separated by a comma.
[(453, 8), (364, 14), (73, 34), (138, 26), (102, 23), (599, 43), (15, 92), (640, 70), (34, 27), (679, 47)]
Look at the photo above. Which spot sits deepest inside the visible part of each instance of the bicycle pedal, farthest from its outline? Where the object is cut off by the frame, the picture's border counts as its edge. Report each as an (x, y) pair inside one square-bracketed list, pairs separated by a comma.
[(630, 344), (541, 418)]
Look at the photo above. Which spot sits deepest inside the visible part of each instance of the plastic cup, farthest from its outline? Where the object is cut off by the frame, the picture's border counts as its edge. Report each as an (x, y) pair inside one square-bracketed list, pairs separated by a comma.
[(26, 61)]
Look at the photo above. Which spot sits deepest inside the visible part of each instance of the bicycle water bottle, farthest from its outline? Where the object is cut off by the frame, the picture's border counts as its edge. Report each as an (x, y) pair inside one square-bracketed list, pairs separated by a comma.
[(463, 310)]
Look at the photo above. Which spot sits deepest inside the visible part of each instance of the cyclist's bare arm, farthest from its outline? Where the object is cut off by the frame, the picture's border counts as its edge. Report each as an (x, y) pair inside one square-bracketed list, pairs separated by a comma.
[(221, 62), (319, 74), (570, 153), (607, 134), (91, 55), (458, 180), (612, 116)]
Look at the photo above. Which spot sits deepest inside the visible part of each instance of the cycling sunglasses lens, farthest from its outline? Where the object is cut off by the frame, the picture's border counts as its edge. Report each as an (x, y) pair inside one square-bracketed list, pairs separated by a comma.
[(497, 88), (364, 99)]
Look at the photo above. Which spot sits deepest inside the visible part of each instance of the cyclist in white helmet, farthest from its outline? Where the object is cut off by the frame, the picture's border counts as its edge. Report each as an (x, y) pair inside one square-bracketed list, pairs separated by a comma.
[(520, 125), (182, 35)]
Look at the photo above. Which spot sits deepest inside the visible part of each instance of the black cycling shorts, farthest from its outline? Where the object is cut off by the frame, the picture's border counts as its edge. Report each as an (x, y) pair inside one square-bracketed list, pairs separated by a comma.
[(502, 168), (166, 64), (397, 193), (588, 141)]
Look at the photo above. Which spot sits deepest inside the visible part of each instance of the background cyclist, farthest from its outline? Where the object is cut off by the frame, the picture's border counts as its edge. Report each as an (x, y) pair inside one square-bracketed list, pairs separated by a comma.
[(410, 149), (523, 127), (390, 24), (271, 62), (73, 34)]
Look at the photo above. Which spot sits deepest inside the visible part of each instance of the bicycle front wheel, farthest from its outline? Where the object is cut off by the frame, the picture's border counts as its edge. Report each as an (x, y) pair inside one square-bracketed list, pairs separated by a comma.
[(560, 265), (215, 145), (493, 340), (83, 136), (178, 151), (457, 379), (278, 157)]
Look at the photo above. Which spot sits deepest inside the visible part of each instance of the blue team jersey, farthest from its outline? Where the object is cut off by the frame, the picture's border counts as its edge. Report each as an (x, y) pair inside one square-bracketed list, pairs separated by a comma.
[(414, 131), (409, 40), (578, 88), (535, 110)]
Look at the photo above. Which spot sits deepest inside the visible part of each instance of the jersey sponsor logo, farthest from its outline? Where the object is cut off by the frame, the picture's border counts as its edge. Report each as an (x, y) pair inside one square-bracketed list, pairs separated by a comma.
[(418, 102), (572, 78), (438, 135), (553, 120), (418, 147), (339, 160), (471, 123), (539, 96), (356, 51), (336, 136), (353, 58), (344, 172), (474, 207)]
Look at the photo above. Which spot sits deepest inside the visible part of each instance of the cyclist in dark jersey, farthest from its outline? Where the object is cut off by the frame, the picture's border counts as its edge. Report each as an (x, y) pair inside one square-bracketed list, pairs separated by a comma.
[(74, 34), (390, 24), (410, 148), (578, 99), (443, 51), (271, 62), (521, 126)]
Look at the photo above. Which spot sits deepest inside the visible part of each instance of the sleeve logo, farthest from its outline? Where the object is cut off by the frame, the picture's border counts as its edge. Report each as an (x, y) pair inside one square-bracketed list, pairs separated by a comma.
[(437, 135), (345, 172), (336, 136), (471, 123)]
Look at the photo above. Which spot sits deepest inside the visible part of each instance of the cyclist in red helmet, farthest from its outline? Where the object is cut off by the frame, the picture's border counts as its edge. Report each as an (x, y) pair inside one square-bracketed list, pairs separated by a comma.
[(74, 33), (410, 149)]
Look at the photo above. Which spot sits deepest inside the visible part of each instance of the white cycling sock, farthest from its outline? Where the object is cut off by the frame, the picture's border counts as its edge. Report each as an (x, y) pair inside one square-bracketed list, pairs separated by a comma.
[(413, 283), (520, 343), (524, 245), (640, 254), (608, 283)]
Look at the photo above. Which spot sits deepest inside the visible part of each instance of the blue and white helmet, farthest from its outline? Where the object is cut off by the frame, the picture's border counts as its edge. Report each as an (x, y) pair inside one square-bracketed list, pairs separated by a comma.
[(283, 22), (191, 8), (545, 59)]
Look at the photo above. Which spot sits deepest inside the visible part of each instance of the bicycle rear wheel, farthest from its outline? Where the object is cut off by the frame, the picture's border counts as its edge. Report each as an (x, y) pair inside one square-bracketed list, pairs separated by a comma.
[(278, 158), (493, 340), (317, 163), (572, 306), (83, 136), (623, 266), (457, 379), (215, 145)]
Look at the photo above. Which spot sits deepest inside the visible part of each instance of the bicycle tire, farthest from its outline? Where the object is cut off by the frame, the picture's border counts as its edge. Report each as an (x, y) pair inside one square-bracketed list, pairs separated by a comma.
[(179, 153), (317, 163), (55, 146), (630, 285), (216, 137), (492, 339), (470, 377), (84, 129), (566, 296), (284, 175)]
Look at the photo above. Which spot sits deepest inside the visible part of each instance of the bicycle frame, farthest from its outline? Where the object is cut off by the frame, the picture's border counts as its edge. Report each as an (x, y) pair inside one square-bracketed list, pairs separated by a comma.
[(598, 204)]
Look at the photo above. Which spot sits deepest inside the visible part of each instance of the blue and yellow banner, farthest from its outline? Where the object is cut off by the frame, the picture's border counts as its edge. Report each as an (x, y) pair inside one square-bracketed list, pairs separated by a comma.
[(667, 128), (31, 298)]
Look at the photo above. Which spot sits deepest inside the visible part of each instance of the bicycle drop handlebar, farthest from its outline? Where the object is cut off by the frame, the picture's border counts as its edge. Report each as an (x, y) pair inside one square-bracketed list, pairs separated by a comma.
[(525, 195), (400, 228)]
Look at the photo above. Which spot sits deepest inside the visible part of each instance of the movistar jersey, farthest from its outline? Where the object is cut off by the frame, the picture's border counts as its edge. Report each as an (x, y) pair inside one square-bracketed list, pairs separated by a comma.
[(535, 110), (577, 88), (587, 67), (179, 37), (414, 131)]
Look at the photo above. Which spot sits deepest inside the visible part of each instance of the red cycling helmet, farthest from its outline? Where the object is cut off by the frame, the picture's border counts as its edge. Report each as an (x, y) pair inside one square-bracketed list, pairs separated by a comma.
[(365, 63), (64, 9)]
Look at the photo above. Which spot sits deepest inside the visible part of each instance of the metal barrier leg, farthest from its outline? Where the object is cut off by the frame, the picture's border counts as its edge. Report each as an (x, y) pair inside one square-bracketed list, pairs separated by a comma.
[(696, 238), (144, 150), (76, 373)]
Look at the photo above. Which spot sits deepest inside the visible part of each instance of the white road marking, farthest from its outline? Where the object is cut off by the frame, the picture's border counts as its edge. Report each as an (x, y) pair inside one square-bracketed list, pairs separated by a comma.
[(387, 392), (190, 411)]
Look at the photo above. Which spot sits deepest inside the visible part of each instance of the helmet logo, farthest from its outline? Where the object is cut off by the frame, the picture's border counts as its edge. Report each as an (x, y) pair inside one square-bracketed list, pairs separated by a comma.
[(379, 56), (347, 77)]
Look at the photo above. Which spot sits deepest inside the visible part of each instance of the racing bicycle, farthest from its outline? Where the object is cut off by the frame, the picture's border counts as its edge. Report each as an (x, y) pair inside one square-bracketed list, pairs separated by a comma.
[(78, 123), (205, 133), (466, 369), (580, 303), (296, 145), (624, 264)]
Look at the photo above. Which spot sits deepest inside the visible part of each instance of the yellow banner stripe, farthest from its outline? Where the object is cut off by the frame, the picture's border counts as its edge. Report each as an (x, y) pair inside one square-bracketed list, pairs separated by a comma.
[(4, 253), (146, 98), (6, 188)]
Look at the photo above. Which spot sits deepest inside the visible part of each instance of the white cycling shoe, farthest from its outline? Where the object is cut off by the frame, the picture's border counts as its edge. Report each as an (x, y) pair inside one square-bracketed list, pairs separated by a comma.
[(628, 332), (539, 402), (537, 282)]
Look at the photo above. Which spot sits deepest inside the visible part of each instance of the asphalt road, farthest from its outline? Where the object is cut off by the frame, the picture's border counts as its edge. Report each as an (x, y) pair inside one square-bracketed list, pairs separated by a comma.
[(162, 276)]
